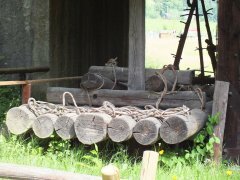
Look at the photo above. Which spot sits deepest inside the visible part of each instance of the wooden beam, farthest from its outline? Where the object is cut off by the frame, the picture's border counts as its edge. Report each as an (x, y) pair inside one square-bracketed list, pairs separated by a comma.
[(14, 171), (23, 70), (125, 98), (136, 54), (229, 63), (220, 106), (37, 81)]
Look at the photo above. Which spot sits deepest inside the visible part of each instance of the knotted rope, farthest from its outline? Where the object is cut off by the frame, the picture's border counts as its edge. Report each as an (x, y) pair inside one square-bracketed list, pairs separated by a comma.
[(40, 107)]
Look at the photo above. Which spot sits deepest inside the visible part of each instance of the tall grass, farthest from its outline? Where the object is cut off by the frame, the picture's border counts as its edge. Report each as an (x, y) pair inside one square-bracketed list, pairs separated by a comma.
[(75, 157)]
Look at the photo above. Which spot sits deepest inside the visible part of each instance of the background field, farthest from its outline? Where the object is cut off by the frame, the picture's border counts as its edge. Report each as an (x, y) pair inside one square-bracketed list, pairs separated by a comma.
[(159, 50)]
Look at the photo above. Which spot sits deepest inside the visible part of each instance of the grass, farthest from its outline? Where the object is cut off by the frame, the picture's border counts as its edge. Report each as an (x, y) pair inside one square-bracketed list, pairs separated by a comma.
[(90, 160)]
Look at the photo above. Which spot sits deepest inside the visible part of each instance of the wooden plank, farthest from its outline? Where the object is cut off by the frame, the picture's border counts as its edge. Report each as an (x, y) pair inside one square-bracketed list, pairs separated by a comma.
[(136, 56), (149, 165), (121, 74), (14, 171), (220, 106), (123, 98)]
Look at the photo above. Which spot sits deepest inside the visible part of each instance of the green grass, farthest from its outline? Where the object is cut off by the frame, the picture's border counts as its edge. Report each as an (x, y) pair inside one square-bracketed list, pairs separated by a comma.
[(90, 160)]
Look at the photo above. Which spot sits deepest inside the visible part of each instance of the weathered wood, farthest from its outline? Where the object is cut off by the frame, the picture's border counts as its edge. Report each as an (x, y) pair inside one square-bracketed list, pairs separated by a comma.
[(220, 106), (179, 128), (149, 165), (155, 83), (43, 125), (14, 171), (64, 126), (184, 77), (38, 81), (110, 172), (23, 70), (120, 128), (91, 128), (19, 119), (136, 51), (208, 107), (228, 65), (146, 131), (93, 81), (123, 98)]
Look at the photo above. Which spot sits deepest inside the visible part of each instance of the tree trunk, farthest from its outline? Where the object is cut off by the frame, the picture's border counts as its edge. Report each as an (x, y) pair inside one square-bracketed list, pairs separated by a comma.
[(43, 125), (125, 98), (120, 128), (92, 81), (64, 126), (146, 131), (91, 128), (155, 83), (179, 128), (184, 77), (19, 119)]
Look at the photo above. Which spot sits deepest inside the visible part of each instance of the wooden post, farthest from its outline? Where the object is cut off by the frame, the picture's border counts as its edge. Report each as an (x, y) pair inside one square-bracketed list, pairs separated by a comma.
[(149, 165), (136, 56), (220, 106), (26, 93), (228, 65), (110, 172)]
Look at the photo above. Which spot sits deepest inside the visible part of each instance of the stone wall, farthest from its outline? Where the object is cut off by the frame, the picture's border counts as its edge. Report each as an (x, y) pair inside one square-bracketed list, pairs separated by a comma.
[(24, 33)]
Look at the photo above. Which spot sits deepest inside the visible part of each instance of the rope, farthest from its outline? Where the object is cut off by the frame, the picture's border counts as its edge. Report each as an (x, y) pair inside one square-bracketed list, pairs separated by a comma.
[(165, 90), (40, 107), (199, 92), (113, 63)]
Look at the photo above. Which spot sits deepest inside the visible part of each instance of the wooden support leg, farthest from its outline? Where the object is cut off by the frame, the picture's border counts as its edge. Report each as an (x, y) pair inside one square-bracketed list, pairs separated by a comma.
[(26, 93), (220, 101)]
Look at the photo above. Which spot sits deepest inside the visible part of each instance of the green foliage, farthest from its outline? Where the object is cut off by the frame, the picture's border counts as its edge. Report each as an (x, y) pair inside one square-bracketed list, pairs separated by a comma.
[(9, 97), (172, 9), (202, 148)]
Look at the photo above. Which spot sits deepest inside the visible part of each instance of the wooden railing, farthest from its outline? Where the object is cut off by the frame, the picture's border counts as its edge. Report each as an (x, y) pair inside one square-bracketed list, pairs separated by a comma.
[(27, 84)]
